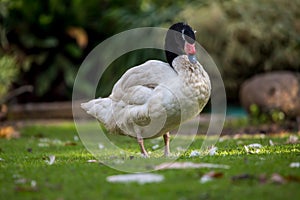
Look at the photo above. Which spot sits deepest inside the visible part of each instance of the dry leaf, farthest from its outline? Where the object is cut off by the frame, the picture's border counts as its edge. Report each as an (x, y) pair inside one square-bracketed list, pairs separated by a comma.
[(295, 165), (277, 178), (51, 160), (154, 147), (8, 132), (46, 142), (33, 183), (92, 161), (205, 178), (24, 186), (70, 143), (21, 181), (76, 138), (253, 148), (263, 178), (255, 145), (80, 35), (213, 150), (293, 139), (242, 177), (101, 146), (43, 145), (210, 176), (292, 178), (194, 153), (186, 165), (139, 178)]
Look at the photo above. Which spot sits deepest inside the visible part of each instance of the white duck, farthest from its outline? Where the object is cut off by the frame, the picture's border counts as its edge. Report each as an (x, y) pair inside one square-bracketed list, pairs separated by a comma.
[(153, 98)]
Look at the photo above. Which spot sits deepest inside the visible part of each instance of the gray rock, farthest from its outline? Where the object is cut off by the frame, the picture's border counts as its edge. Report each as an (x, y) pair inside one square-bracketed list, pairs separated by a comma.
[(278, 90)]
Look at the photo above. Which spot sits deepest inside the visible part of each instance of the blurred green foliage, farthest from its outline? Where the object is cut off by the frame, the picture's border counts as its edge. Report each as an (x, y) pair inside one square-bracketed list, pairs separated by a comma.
[(248, 37), (49, 39), (52, 37), (259, 116), (8, 74)]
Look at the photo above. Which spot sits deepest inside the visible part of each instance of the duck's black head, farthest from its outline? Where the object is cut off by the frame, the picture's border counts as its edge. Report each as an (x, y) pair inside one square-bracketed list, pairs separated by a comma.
[(180, 40)]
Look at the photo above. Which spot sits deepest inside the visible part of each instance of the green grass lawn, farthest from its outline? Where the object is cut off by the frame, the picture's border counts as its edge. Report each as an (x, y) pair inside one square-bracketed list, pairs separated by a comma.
[(25, 173)]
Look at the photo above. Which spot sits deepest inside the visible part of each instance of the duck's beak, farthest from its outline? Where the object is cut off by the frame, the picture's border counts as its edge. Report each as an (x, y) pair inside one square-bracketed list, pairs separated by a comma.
[(192, 58), (190, 50)]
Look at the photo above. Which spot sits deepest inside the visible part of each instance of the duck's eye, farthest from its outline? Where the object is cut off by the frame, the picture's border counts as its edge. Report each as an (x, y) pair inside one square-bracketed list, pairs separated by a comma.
[(182, 35)]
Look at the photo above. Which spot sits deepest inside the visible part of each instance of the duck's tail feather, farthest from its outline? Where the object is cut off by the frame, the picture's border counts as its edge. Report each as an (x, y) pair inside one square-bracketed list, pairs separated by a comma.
[(101, 109)]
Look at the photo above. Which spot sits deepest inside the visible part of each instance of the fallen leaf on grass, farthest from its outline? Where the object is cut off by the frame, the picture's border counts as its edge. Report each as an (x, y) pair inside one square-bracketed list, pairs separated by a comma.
[(224, 138), (33, 184), (43, 145), (25, 189), (242, 177), (39, 135), (295, 165), (139, 178), (76, 138), (213, 150), (185, 165), (194, 153), (262, 178), (24, 185), (70, 143), (46, 142), (101, 146), (51, 160), (92, 161), (277, 178), (210, 176), (53, 187), (253, 148), (154, 147), (8, 132), (292, 178), (255, 145), (293, 139), (21, 181)]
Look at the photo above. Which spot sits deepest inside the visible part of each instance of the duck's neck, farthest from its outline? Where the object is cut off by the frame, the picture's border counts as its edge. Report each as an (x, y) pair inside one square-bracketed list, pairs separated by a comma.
[(186, 69), (174, 44), (193, 75)]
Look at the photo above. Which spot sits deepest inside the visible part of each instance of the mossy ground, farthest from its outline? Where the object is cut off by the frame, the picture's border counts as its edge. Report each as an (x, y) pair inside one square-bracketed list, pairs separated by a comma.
[(25, 173)]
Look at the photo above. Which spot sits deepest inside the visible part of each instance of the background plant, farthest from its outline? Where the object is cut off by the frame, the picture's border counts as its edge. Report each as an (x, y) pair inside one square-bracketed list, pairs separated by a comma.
[(49, 39), (248, 37)]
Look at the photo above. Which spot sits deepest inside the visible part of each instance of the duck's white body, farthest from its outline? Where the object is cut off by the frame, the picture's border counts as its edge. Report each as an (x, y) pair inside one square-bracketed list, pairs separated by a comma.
[(153, 98)]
